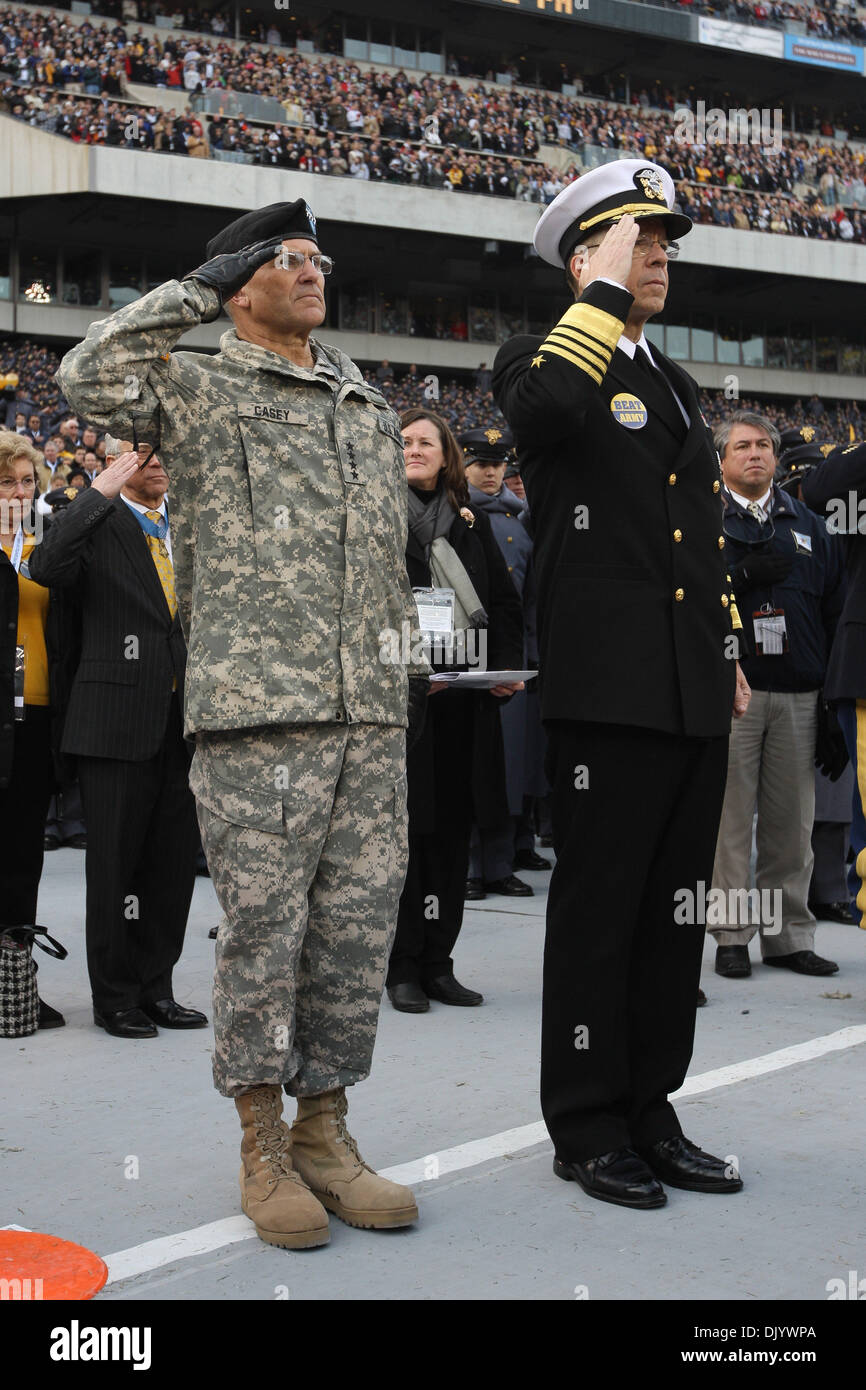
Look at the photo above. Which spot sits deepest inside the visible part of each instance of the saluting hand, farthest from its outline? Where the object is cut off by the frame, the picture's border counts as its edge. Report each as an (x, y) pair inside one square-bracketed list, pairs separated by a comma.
[(116, 475), (612, 259)]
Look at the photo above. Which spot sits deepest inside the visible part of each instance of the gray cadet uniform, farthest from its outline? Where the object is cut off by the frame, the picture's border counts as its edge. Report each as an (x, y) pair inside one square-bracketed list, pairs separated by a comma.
[(289, 522)]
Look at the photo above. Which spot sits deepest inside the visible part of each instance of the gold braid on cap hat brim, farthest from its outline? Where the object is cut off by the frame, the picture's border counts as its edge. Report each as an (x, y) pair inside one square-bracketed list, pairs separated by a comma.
[(633, 208)]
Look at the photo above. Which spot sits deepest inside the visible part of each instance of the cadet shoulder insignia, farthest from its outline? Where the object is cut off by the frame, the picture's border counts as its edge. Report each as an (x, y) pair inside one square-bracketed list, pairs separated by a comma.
[(850, 449), (537, 361), (629, 411)]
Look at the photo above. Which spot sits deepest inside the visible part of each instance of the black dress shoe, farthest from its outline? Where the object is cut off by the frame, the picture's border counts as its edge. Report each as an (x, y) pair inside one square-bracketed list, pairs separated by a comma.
[(832, 912), (408, 998), (702, 998), (528, 859), (75, 842), (680, 1163), (732, 962), (125, 1023), (474, 890), (169, 1014), (804, 963), (50, 1018), (51, 842), (447, 990), (619, 1176), (510, 887)]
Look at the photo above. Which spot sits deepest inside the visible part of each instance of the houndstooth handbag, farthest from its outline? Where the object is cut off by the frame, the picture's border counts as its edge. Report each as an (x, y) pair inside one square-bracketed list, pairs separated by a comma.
[(19, 996)]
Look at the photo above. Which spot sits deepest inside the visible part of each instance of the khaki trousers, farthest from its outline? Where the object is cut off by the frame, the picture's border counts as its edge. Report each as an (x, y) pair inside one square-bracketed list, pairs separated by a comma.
[(771, 768)]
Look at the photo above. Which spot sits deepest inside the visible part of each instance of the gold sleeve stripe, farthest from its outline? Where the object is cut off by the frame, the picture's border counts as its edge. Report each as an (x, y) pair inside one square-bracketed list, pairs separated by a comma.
[(734, 611), (590, 369), (579, 342), (603, 327)]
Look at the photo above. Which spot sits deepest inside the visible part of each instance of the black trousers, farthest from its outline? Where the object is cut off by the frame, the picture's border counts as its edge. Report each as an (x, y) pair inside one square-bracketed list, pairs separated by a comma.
[(23, 806), (431, 905), (142, 838), (620, 973)]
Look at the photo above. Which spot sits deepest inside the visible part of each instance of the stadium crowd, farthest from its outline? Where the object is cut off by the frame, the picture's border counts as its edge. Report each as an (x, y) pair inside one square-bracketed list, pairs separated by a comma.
[(28, 390), (430, 132)]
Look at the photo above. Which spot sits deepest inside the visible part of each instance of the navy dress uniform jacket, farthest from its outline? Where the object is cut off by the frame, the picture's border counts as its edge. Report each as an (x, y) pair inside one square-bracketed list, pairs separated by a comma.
[(828, 483), (634, 604)]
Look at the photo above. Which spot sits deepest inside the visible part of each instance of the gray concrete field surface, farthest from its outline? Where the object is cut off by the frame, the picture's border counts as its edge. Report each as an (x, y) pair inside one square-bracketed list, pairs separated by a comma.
[(126, 1147)]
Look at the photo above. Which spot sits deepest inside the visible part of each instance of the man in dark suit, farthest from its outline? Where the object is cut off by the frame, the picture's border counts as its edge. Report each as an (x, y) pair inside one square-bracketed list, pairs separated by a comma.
[(125, 729), (637, 674)]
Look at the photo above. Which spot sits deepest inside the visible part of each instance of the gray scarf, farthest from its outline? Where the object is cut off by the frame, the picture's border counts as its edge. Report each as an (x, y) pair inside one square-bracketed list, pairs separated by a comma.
[(430, 523)]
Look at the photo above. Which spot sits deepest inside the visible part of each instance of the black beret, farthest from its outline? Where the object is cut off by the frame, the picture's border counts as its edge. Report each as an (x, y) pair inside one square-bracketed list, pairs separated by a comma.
[(495, 444), (282, 221)]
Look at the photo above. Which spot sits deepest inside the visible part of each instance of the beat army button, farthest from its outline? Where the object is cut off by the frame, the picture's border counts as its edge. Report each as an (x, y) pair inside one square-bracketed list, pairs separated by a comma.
[(716, 485), (672, 479), (629, 411), (679, 595)]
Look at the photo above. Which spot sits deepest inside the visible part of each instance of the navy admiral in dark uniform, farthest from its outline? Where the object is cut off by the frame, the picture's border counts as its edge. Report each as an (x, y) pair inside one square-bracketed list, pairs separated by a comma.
[(638, 678), (837, 488)]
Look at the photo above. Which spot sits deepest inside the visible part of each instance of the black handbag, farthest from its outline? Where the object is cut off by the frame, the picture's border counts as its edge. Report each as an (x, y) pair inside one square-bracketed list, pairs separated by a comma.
[(19, 996)]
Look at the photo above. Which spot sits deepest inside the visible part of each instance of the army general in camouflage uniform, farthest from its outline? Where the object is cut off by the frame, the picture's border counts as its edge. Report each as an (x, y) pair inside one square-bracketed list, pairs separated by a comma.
[(289, 519)]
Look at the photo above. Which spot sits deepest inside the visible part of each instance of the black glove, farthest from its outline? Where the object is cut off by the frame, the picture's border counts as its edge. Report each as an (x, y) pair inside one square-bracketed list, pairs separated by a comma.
[(766, 567), (831, 754), (419, 692), (230, 270)]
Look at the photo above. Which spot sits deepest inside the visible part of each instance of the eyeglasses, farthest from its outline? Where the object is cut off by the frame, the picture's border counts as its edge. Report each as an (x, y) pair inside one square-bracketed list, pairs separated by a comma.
[(10, 484), (643, 246), (295, 260)]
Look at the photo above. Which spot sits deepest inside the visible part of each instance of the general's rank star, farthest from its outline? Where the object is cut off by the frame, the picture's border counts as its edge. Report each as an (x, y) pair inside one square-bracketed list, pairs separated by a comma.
[(537, 361)]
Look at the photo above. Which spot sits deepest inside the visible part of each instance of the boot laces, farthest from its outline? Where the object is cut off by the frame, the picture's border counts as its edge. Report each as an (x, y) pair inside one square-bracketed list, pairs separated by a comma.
[(343, 1135), (273, 1141)]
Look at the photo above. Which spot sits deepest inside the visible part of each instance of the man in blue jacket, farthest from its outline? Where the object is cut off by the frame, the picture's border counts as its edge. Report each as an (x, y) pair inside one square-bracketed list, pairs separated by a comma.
[(787, 575)]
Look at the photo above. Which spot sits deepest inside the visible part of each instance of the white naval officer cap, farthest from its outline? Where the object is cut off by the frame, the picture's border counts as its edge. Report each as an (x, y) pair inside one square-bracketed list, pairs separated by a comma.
[(605, 195)]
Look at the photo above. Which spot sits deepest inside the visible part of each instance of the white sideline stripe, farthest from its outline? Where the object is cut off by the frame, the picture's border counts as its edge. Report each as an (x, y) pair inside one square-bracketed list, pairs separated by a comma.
[(139, 1259)]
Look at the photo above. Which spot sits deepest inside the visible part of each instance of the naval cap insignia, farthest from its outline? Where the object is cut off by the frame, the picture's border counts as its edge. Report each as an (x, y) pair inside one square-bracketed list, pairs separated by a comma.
[(651, 183)]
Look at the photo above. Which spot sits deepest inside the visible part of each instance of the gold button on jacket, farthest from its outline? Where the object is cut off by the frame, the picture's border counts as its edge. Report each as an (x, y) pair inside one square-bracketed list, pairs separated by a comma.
[(680, 595)]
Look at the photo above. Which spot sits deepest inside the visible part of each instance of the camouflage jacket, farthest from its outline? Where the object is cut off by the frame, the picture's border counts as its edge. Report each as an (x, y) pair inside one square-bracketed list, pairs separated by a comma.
[(288, 512)]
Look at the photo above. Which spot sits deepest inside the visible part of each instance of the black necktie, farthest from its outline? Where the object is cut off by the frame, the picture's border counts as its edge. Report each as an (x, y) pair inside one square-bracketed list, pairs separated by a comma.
[(659, 394)]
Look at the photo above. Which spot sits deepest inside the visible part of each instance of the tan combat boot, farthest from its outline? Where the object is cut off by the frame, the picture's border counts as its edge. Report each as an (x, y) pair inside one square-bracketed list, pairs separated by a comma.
[(273, 1196), (327, 1158)]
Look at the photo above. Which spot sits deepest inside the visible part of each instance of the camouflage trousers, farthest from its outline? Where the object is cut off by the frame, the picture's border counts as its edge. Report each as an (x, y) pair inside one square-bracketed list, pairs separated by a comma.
[(304, 829)]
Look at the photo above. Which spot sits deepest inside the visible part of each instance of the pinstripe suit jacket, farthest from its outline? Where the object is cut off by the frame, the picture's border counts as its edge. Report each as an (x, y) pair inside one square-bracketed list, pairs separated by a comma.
[(131, 647)]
